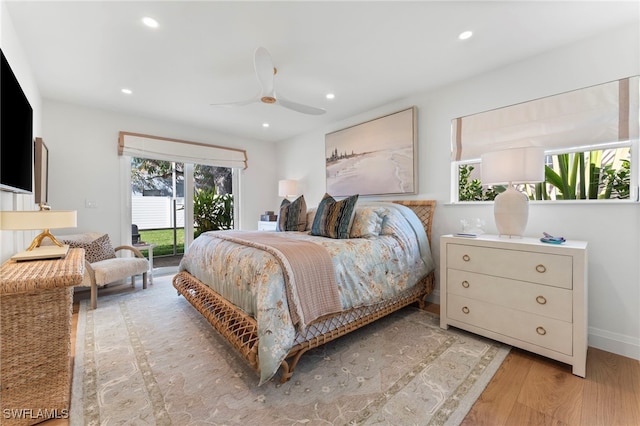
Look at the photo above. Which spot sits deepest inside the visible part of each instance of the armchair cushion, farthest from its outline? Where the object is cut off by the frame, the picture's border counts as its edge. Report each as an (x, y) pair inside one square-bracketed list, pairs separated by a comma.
[(109, 270)]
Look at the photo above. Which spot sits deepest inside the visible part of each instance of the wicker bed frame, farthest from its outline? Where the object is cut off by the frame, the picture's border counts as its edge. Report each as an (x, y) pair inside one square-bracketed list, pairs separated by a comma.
[(241, 330)]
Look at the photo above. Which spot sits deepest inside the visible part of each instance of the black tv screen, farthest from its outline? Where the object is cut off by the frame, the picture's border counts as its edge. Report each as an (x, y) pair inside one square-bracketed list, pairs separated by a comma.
[(16, 134)]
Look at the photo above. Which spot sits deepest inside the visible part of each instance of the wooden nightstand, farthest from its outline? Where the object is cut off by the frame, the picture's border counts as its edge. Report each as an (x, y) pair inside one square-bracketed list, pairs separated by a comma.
[(518, 291), (267, 226)]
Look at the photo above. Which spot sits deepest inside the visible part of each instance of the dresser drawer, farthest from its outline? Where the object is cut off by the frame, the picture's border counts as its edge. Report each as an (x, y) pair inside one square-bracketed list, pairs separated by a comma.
[(542, 268), (539, 299), (541, 331)]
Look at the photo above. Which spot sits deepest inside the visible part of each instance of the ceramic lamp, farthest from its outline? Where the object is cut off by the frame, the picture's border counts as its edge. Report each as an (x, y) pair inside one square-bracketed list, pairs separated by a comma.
[(512, 166)]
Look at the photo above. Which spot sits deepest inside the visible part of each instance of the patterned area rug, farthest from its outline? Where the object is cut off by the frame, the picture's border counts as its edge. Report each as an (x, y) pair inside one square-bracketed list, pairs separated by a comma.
[(147, 357)]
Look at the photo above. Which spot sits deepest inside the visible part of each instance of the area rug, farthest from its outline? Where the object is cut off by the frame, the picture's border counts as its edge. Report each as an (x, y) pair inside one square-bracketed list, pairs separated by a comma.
[(148, 357)]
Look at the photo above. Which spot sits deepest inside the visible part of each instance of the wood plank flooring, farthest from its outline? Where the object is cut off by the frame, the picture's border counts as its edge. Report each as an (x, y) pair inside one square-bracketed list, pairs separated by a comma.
[(529, 389), (532, 390)]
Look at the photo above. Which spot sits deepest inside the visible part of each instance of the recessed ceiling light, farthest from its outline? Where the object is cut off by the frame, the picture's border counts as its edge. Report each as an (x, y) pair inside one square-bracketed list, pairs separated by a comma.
[(150, 22), (465, 35), (265, 125), (330, 96), (127, 91)]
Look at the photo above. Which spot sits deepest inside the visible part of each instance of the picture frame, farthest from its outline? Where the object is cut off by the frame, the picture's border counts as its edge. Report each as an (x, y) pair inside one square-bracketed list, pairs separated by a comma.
[(41, 172), (377, 157)]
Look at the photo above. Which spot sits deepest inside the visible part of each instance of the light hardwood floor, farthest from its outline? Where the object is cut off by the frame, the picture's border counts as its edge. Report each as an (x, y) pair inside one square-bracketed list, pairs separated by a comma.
[(529, 389)]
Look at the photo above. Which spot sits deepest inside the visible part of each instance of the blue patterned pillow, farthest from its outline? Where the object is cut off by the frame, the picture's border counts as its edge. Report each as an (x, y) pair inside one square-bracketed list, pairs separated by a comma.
[(292, 215), (334, 218)]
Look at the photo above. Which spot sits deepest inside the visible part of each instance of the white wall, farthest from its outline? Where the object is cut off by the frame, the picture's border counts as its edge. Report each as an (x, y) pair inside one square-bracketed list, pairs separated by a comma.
[(612, 230), (85, 166), (10, 241)]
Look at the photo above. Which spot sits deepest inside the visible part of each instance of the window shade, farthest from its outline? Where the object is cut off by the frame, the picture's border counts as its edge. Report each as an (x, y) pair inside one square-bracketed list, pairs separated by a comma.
[(158, 148), (607, 112)]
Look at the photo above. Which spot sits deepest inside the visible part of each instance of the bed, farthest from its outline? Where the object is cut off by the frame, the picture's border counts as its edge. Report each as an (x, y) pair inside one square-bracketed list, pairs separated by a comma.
[(244, 286)]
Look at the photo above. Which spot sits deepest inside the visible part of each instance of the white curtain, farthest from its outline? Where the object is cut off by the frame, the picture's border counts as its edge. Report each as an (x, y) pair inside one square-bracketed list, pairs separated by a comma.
[(599, 114), (158, 148)]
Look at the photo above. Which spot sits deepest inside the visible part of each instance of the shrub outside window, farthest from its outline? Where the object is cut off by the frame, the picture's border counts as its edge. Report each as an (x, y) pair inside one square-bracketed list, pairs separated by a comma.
[(594, 174)]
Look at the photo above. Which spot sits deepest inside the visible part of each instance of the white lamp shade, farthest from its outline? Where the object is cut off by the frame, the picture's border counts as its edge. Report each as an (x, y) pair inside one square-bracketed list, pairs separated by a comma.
[(287, 187), (38, 219), (516, 165)]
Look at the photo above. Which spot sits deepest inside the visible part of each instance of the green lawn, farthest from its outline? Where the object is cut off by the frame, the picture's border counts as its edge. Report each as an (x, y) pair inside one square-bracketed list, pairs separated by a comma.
[(163, 238)]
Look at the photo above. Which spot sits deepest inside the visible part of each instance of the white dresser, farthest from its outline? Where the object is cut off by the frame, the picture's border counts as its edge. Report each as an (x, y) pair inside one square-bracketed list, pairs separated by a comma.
[(519, 291)]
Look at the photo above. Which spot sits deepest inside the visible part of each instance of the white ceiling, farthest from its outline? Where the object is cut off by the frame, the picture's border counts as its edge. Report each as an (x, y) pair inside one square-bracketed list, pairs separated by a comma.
[(367, 53)]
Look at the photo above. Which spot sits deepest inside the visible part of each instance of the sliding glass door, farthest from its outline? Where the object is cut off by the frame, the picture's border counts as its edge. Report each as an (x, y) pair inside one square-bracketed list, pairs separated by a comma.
[(175, 190), (166, 196)]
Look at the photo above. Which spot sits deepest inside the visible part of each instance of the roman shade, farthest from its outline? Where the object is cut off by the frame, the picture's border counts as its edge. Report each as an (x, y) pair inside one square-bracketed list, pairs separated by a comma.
[(159, 148), (599, 114)]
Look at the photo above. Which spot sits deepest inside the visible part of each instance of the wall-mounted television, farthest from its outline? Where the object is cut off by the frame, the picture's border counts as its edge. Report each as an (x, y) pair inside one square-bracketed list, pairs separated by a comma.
[(16, 133)]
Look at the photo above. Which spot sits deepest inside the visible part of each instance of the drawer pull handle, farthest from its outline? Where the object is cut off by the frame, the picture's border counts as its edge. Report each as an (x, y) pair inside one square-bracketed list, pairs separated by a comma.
[(541, 268), (465, 284), (541, 300), (541, 331), (465, 310), (466, 258)]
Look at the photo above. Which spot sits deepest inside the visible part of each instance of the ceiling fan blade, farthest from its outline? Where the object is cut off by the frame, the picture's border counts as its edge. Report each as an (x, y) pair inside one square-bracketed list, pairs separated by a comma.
[(264, 70), (305, 109), (239, 103)]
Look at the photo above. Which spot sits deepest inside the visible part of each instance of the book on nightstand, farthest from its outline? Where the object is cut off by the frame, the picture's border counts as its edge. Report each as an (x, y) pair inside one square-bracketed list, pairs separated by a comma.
[(41, 253), (268, 216)]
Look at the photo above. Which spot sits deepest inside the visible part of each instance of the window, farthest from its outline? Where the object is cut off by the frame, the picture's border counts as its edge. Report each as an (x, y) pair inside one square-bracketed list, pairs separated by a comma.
[(598, 173), (590, 137)]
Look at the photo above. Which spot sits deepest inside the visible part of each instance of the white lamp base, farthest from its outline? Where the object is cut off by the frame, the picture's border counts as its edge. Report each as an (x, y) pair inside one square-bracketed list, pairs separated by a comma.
[(511, 212)]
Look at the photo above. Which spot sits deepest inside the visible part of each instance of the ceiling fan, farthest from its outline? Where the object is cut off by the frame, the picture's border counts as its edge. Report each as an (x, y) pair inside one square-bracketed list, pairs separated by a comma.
[(265, 72)]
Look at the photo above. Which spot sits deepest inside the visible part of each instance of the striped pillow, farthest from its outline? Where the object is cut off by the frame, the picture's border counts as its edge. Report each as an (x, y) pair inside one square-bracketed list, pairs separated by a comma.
[(334, 218), (293, 215)]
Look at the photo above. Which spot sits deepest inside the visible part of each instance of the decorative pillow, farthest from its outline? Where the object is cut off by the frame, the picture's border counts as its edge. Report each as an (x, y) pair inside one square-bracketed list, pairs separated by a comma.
[(367, 221), (334, 218), (96, 250), (293, 215), (311, 214)]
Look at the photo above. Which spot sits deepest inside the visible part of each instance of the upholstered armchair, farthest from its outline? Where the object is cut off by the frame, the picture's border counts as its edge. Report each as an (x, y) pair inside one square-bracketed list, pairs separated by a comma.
[(105, 264)]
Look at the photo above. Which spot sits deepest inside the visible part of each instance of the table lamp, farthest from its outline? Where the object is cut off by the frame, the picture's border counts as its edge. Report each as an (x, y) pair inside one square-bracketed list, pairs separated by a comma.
[(287, 188), (512, 166), (39, 219)]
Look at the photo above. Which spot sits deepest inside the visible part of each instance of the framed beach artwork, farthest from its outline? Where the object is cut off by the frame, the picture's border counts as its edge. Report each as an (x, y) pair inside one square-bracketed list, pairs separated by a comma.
[(377, 157)]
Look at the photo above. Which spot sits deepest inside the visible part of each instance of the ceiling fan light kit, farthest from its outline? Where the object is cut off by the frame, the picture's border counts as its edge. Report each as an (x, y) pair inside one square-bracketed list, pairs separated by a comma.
[(265, 72)]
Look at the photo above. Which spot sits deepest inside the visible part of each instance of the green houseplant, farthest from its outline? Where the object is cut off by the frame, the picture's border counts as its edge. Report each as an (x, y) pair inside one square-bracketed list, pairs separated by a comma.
[(212, 211)]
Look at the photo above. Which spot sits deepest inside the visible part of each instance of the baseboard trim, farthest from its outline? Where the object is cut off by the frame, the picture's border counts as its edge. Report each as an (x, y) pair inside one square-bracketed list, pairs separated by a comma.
[(616, 343), (434, 297)]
